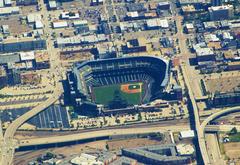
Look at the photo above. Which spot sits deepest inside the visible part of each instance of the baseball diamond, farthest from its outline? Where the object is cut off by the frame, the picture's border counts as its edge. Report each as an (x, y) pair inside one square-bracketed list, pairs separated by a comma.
[(136, 79)]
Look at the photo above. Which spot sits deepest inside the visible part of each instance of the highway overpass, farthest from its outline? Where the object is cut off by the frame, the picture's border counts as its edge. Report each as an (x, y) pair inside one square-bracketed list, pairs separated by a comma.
[(202, 128), (9, 145), (100, 133), (110, 132)]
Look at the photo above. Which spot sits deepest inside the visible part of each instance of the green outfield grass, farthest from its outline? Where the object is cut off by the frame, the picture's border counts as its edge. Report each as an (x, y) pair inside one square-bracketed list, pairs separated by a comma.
[(104, 94)]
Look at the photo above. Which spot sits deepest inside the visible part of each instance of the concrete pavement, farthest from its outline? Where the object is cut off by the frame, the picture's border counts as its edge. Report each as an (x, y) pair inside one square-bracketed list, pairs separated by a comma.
[(213, 149)]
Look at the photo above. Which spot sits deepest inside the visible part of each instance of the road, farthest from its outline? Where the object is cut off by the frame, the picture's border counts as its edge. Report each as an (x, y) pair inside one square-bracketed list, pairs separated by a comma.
[(220, 128), (202, 128), (213, 149), (87, 134), (185, 54)]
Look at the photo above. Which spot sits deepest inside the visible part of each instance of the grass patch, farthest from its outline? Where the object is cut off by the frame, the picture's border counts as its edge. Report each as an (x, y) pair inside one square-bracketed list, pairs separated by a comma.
[(235, 137), (105, 94)]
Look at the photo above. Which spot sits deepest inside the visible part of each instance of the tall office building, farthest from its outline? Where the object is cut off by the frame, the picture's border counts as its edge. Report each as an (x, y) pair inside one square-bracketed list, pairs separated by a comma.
[(216, 2), (3, 77), (220, 12)]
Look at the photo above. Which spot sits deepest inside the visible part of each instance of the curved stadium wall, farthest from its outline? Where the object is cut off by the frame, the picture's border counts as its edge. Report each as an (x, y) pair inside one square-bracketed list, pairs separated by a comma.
[(152, 72)]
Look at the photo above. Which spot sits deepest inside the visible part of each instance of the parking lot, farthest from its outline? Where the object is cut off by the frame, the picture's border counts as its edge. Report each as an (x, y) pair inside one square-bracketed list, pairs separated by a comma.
[(53, 117)]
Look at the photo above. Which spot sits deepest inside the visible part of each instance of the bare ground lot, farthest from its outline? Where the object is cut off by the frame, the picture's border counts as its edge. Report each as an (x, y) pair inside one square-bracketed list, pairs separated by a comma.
[(232, 151), (15, 26), (130, 143), (225, 82)]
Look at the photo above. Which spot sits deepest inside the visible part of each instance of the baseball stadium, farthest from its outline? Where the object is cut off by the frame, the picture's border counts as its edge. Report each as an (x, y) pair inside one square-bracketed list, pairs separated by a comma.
[(121, 82)]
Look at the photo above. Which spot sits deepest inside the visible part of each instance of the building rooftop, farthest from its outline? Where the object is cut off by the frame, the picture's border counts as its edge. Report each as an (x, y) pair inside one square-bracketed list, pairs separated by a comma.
[(33, 17), (124, 161), (188, 8), (85, 159), (224, 7), (9, 10), (189, 26), (185, 149), (24, 56), (184, 2), (14, 40), (2, 71), (157, 23), (204, 51), (52, 4), (187, 134), (41, 56)]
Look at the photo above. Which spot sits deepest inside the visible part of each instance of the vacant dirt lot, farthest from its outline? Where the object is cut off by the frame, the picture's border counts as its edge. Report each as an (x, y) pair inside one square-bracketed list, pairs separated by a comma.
[(130, 143), (232, 151), (15, 27), (225, 82)]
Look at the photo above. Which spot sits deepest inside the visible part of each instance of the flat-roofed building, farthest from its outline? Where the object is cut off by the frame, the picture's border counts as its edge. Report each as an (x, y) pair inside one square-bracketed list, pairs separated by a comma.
[(8, 2), (164, 5), (26, 2), (9, 11), (59, 24), (205, 54), (22, 44), (52, 5), (42, 60)]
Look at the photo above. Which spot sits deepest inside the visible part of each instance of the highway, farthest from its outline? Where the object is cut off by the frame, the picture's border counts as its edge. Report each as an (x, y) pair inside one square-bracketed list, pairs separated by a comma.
[(101, 133), (9, 144), (185, 54), (202, 128), (8, 152), (134, 129)]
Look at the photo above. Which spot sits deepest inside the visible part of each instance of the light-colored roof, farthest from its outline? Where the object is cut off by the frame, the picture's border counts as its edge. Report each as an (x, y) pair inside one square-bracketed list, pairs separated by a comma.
[(52, 4), (33, 17), (132, 14), (187, 134), (38, 25), (80, 22), (7, 2), (189, 26), (204, 51), (9, 10), (224, 7), (60, 24), (185, 149), (157, 23), (1, 3), (27, 56)]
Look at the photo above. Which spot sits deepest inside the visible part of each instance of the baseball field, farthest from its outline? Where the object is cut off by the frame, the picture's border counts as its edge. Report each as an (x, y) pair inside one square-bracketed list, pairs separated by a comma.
[(131, 92)]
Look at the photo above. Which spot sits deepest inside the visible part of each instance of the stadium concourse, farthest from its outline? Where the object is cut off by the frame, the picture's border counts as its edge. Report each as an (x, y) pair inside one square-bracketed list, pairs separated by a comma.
[(132, 80)]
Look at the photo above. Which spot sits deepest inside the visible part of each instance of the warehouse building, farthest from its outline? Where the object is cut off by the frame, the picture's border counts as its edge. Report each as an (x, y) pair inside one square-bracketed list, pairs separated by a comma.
[(22, 44)]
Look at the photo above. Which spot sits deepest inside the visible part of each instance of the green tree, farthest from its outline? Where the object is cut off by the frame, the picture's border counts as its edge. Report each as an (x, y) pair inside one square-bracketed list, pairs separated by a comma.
[(233, 131)]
